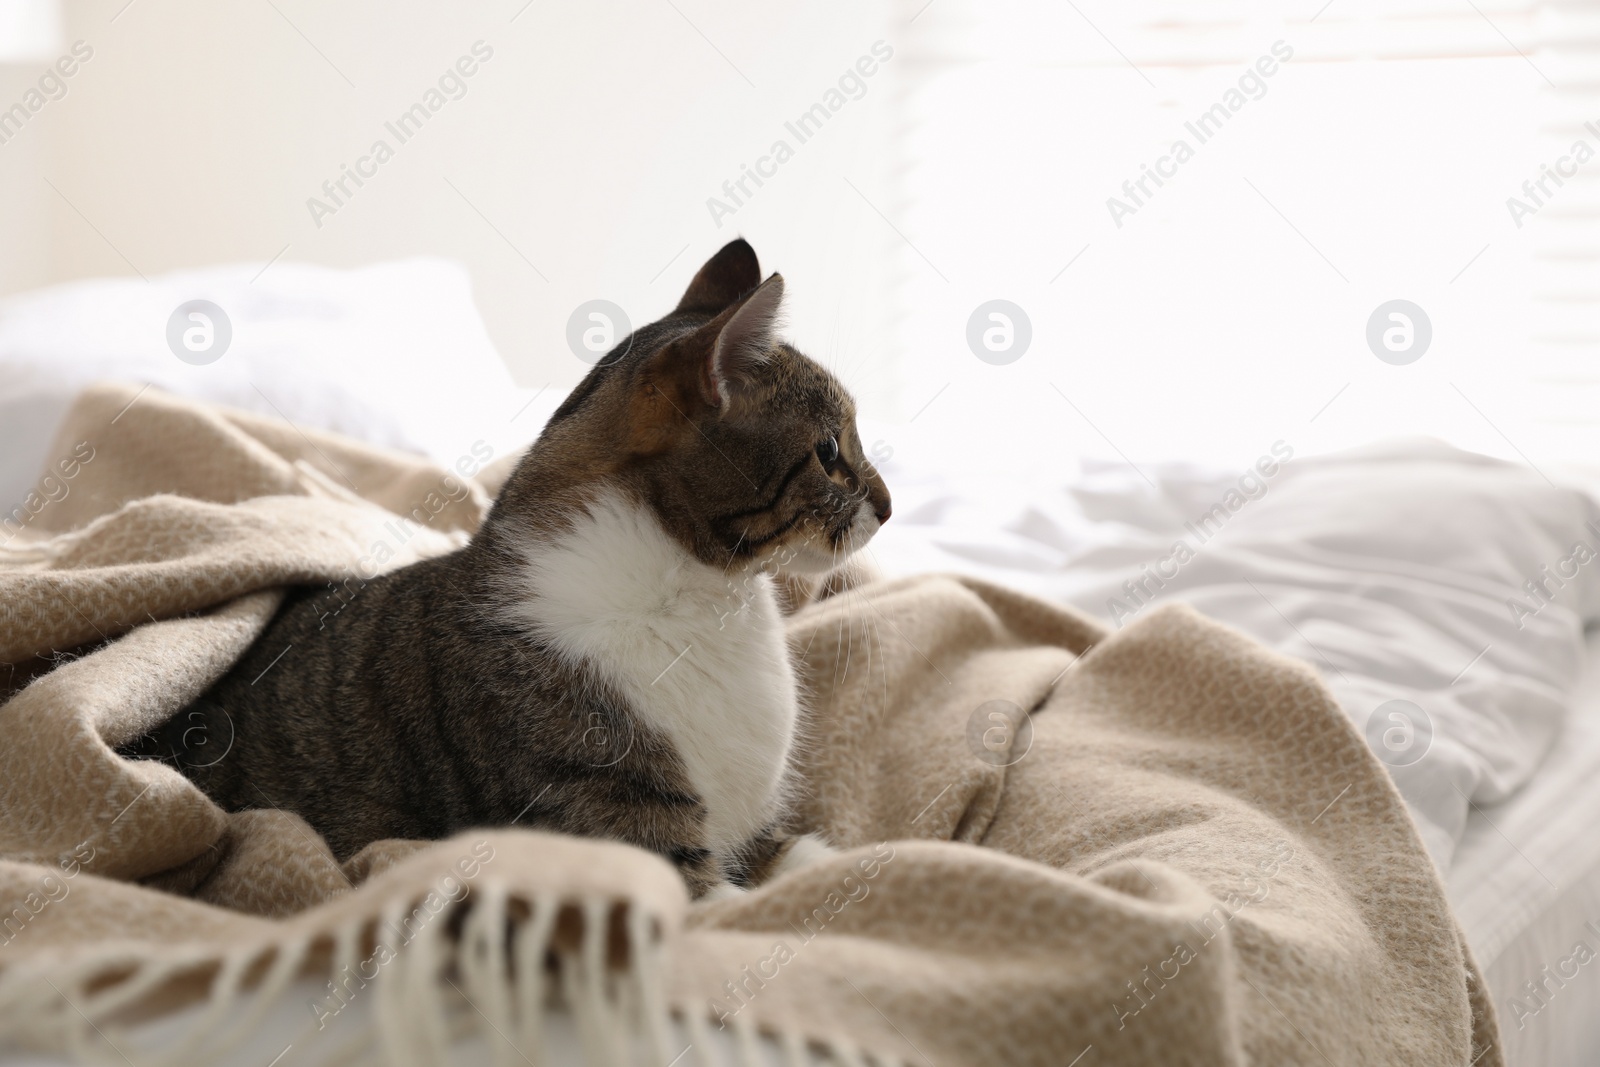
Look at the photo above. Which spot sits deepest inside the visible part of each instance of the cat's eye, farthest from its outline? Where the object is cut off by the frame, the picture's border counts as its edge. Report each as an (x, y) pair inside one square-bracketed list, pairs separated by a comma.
[(828, 451)]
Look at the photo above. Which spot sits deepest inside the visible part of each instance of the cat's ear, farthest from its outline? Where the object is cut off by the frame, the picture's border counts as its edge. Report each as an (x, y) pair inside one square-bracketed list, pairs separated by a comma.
[(726, 276), (708, 369), (741, 343)]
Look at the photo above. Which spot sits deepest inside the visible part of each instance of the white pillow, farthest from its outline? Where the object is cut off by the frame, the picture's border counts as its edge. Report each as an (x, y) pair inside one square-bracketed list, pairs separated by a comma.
[(394, 354)]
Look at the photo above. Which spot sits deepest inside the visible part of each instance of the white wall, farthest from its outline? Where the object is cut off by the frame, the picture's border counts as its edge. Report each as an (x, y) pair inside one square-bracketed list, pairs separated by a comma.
[(584, 151), (24, 223)]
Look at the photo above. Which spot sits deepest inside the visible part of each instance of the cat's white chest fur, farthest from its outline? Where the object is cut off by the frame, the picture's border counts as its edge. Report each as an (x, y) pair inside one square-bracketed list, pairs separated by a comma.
[(698, 653)]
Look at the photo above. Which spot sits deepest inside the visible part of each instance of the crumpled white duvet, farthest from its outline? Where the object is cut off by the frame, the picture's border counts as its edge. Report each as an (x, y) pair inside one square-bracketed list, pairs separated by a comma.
[(1441, 594)]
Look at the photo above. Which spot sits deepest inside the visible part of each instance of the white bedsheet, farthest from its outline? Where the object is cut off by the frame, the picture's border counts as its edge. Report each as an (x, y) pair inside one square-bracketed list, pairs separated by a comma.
[(1526, 889)]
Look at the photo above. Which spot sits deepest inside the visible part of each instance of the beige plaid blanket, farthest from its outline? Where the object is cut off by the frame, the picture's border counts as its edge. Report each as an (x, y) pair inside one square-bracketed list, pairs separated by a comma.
[(1063, 846)]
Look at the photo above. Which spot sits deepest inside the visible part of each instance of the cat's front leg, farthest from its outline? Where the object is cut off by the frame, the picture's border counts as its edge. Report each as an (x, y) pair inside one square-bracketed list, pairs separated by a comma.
[(703, 874), (723, 891), (771, 853)]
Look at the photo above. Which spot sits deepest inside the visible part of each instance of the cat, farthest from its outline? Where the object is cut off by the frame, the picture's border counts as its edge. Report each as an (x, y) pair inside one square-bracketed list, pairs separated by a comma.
[(606, 657)]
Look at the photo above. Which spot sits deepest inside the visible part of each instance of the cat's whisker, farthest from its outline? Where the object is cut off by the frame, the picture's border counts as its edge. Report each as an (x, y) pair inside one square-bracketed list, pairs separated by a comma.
[(875, 649), (845, 621), (874, 639), (838, 640), (840, 554)]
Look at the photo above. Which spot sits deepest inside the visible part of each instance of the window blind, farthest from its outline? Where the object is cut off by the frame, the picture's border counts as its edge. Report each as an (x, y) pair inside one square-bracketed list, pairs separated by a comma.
[(1383, 167)]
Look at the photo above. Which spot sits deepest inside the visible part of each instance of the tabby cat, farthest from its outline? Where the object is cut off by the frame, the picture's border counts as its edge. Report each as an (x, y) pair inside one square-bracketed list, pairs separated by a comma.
[(606, 657)]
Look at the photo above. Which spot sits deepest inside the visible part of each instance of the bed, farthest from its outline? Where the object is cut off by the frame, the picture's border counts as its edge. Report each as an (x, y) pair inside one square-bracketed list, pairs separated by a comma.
[(1400, 572)]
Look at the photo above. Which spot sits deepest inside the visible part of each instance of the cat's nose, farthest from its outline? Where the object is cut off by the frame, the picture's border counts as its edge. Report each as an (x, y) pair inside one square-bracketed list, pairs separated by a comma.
[(883, 513)]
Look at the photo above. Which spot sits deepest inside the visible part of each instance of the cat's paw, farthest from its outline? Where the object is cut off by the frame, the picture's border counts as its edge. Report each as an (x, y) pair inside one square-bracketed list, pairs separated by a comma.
[(723, 891), (803, 852)]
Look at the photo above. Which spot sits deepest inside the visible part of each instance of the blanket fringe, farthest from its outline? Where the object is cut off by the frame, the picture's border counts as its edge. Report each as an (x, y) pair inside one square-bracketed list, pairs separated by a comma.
[(507, 957), (794, 1048), (485, 964)]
